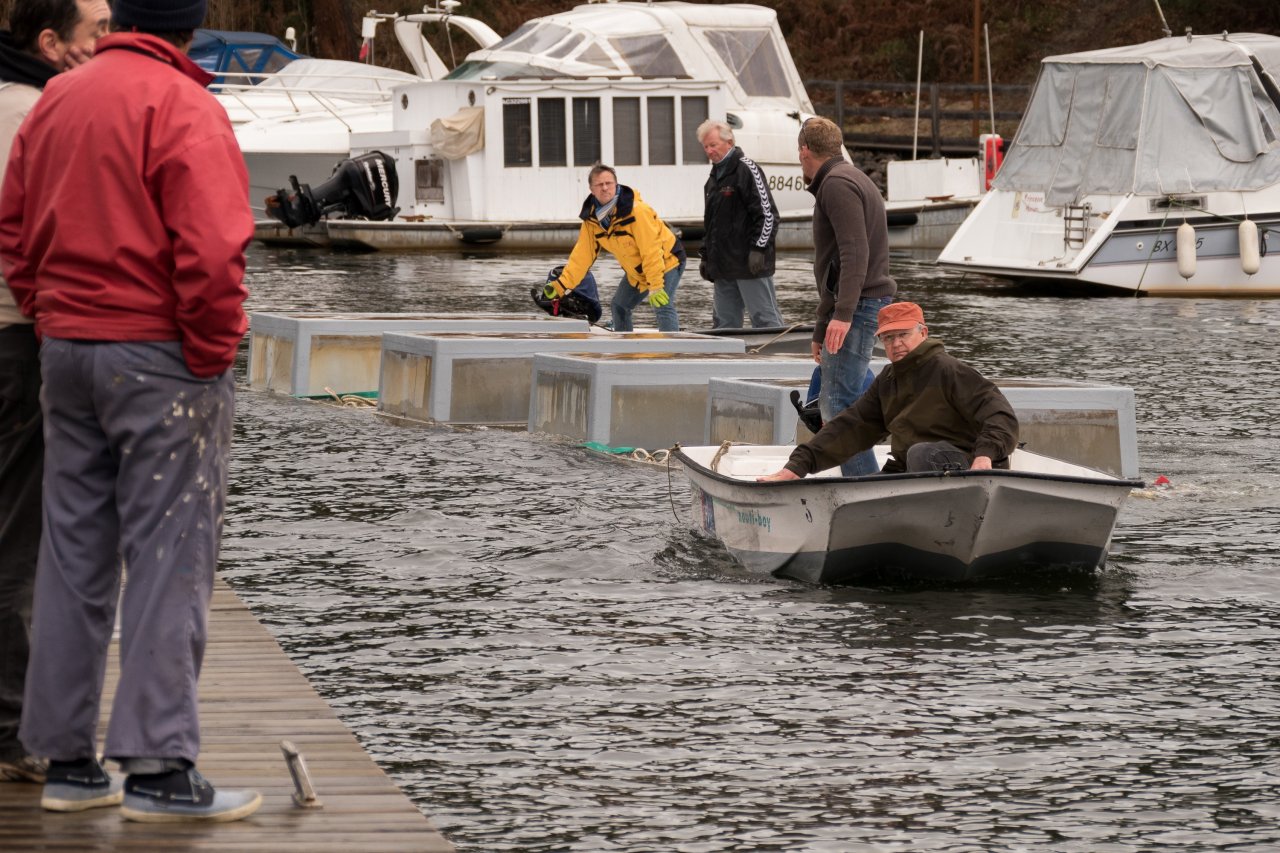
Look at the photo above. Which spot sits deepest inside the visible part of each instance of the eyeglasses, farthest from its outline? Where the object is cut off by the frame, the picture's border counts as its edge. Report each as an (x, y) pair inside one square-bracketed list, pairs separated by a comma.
[(893, 337)]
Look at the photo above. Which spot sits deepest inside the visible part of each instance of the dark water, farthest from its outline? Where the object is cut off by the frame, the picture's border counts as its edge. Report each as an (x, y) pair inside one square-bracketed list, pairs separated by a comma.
[(547, 659)]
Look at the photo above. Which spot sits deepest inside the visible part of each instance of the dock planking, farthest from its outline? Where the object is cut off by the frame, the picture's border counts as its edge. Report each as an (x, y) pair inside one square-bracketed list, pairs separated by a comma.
[(251, 698)]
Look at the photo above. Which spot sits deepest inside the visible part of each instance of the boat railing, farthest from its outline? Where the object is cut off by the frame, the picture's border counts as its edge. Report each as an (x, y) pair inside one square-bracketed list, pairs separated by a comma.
[(861, 107)]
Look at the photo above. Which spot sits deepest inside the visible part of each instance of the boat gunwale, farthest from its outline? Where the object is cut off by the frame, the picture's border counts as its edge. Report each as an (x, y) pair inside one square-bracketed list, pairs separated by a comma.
[(702, 470)]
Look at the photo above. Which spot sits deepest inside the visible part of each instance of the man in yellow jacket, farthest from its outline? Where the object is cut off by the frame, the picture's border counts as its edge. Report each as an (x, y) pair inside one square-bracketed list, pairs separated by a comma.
[(615, 218)]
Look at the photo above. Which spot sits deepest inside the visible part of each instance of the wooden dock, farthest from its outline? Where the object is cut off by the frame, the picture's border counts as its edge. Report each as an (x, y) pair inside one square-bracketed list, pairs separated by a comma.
[(251, 698)]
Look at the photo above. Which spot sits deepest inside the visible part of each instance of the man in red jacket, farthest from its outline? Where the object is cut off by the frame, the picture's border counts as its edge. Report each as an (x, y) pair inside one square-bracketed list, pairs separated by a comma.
[(124, 216)]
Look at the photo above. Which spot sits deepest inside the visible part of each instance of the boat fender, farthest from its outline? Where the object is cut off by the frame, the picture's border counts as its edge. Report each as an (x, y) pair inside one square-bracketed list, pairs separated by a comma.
[(1250, 257), (1186, 243)]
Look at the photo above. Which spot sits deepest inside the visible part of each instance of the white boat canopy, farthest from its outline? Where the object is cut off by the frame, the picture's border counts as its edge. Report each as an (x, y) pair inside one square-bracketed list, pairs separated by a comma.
[(738, 43), (1171, 116)]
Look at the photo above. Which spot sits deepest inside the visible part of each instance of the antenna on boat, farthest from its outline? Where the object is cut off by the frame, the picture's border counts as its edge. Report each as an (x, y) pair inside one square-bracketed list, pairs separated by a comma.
[(991, 97), (915, 133), (1164, 25)]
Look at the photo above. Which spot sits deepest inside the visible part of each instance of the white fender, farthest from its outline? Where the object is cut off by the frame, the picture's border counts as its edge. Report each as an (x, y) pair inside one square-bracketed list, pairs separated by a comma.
[(1250, 259), (1186, 250)]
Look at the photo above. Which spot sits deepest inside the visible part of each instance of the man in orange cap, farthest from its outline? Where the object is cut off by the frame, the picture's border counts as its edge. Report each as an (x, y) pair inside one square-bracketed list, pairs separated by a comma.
[(940, 413)]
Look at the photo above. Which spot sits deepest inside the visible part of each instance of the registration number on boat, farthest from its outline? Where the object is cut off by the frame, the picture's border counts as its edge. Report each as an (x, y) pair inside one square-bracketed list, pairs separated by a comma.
[(786, 182)]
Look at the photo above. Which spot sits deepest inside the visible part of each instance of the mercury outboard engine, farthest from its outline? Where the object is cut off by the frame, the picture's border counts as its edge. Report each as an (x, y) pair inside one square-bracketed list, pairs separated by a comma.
[(363, 187)]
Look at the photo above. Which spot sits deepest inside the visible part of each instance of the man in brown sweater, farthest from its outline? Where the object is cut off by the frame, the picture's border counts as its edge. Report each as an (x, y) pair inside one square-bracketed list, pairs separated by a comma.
[(851, 267), (940, 414)]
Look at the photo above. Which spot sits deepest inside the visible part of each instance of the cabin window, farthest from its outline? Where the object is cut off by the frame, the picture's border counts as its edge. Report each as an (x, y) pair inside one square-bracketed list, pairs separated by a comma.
[(649, 56), (662, 131), (1121, 108), (1045, 120), (517, 132), (566, 47), (586, 131), (520, 32), (626, 131), (552, 150), (754, 61), (596, 55), (428, 181), (693, 112), (538, 38)]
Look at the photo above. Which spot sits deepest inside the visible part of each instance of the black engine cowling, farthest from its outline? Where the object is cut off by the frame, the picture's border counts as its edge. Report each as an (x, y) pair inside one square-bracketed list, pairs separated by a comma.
[(363, 187)]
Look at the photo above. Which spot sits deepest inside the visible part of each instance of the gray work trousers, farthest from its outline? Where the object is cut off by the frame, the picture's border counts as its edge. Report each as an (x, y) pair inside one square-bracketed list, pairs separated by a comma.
[(135, 478), (729, 296), (936, 456)]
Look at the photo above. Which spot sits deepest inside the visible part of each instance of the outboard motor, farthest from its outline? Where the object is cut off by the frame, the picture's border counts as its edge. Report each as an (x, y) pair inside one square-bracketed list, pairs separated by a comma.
[(363, 187), (581, 303)]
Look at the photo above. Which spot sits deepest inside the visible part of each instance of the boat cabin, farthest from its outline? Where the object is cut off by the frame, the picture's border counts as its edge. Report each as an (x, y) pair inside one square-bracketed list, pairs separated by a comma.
[(1172, 116)]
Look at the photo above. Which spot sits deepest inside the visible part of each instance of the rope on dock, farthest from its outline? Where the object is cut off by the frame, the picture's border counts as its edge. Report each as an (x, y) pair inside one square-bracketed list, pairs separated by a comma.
[(351, 401)]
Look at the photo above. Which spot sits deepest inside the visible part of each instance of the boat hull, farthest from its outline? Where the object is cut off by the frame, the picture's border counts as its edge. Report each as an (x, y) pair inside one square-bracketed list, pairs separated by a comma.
[(955, 528), (795, 233)]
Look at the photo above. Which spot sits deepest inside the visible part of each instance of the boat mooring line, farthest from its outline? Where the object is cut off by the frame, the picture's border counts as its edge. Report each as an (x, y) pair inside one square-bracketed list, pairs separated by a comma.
[(1137, 291), (788, 330), (671, 495)]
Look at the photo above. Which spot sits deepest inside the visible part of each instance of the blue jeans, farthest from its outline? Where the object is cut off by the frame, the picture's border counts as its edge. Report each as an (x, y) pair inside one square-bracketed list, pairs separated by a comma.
[(844, 374), (626, 298)]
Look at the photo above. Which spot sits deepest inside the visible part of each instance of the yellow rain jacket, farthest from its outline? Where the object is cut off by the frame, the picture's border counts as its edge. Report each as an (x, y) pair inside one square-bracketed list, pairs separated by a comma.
[(643, 244)]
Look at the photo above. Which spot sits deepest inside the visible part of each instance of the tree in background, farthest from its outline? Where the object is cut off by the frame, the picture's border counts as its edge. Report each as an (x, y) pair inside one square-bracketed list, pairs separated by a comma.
[(830, 39)]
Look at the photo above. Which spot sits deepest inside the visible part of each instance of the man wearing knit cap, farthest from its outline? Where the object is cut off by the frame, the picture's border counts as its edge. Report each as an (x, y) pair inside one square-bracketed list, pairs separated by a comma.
[(940, 414), (124, 216)]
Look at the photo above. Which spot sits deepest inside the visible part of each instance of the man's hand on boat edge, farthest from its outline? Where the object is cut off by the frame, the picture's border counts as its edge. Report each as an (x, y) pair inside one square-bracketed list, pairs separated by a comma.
[(980, 463)]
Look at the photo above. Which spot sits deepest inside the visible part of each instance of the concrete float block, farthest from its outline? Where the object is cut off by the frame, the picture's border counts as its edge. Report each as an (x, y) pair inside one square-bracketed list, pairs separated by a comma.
[(649, 400), (302, 353), (485, 377), (1081, 422), (1087, 423)]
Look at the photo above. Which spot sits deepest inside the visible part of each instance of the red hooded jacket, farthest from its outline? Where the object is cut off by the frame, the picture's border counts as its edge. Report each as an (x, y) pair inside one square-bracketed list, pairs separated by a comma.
[(124, 213)]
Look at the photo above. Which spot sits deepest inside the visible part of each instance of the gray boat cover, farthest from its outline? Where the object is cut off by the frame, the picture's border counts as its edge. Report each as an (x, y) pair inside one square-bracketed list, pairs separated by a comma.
[(1175, 115)]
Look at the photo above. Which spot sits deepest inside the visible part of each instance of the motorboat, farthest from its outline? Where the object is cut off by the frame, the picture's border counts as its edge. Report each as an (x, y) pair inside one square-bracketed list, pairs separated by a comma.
[(497, 153), (1151, 168), (239, 57), (1041, 517), (926, 200), (296, 118)]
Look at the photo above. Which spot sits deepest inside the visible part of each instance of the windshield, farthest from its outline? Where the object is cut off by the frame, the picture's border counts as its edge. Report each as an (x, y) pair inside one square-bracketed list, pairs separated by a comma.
[(479, 69)]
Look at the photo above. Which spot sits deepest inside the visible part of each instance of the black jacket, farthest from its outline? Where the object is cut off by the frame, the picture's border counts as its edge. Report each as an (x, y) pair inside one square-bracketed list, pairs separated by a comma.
[(19, 67), (927, 396), (740, 215)]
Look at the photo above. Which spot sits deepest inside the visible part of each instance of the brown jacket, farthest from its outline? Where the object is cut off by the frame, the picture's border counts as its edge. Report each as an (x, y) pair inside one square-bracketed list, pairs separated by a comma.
[(850, 242), (927, 396)]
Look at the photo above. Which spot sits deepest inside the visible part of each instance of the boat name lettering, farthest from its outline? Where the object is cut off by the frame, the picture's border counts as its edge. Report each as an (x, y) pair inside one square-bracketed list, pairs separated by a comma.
[(750, 516), (745, 516), (1160, 247), (515, 100), (786, 182)]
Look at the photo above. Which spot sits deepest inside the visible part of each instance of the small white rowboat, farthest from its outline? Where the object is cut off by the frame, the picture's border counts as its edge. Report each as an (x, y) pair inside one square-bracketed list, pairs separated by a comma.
[(1041, 516)]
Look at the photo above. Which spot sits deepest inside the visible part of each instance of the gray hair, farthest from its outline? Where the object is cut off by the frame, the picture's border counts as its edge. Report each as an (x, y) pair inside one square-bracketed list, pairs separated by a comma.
[(726, 132)]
